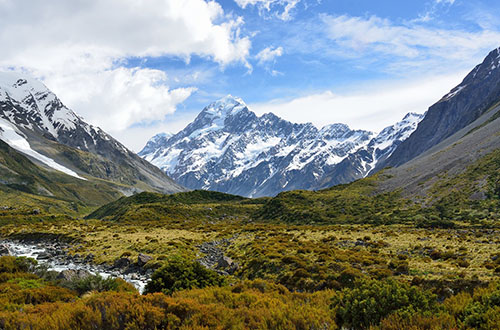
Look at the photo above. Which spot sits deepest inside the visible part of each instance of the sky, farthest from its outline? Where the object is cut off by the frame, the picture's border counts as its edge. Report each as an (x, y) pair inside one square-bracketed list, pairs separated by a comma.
[(137, 68)]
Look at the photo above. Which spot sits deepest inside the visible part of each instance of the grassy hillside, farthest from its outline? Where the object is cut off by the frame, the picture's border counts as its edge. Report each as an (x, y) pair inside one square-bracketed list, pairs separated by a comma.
[(467, 197), (194, 206), (24, 184)]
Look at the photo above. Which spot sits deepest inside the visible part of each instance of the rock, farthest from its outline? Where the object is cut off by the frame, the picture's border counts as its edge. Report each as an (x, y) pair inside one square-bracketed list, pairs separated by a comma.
[(72, 274), (44, 256), (4, 250), (121, 263), (36, 211), (89, 257), (478, 196), (233, 268), (224, 262), (143, 259)]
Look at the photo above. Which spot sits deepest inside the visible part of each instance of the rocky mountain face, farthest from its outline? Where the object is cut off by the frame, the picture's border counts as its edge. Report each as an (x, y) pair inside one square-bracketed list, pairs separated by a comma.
[(35, 122), (230, 149), (478, 92), (439, 171), (364, 161)]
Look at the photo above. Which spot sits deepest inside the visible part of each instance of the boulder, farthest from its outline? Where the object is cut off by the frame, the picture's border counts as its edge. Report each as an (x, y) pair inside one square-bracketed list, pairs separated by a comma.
[(73, 274), (143, 259), (224, 262), (5, 250), (121, 263), (44, 256)]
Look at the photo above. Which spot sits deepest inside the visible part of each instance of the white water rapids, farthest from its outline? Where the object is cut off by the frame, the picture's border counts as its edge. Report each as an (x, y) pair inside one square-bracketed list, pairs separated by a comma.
[(56, 264)]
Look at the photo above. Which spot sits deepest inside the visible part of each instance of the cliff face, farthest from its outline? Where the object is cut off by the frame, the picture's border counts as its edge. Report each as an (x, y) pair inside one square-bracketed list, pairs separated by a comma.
[(477, 93)]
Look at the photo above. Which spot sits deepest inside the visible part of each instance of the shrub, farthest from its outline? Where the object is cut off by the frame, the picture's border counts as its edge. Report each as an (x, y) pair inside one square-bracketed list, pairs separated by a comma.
[(371, 301), (10, 264), (97, 283), (418, 321), (179, 274), (483, 312)]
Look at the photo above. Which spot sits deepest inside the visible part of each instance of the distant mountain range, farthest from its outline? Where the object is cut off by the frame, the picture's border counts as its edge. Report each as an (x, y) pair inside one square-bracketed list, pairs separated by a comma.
[(48, 150), (228, 148), (36, 124)]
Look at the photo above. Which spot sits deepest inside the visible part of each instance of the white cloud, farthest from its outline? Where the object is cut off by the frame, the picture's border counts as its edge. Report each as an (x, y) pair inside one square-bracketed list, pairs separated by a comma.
[(135, 137), (368, 107), (362, 36), (116, 99), (446, 1), (269, 54), (119, 28), (78, 49), (266, 7)]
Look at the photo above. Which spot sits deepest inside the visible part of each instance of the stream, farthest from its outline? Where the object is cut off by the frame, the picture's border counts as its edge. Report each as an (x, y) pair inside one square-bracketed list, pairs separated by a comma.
[(58, 263)]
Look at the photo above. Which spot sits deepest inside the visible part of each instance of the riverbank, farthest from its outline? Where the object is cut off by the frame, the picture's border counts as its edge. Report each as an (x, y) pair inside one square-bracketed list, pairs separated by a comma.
[(55, 256)]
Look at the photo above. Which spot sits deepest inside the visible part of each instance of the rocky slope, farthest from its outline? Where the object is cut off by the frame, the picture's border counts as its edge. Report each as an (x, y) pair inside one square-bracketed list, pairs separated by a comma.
[(364, 161), (230, 149), (36, 123), (438, 171), (477, 93)]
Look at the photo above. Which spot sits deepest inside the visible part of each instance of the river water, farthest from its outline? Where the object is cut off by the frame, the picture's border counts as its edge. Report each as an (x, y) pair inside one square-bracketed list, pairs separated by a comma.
[(56, 264)]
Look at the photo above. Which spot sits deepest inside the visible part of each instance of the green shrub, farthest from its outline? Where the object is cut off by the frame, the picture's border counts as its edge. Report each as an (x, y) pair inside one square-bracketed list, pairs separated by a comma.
[(484, 311), (98, 283), (370, 301), (10, 264), (179, 274)]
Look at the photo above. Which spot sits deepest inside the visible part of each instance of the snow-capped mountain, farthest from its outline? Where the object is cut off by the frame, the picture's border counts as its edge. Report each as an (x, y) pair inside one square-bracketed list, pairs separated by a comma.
[(35, 122), (364, 161), (228, 148), (31, 106)]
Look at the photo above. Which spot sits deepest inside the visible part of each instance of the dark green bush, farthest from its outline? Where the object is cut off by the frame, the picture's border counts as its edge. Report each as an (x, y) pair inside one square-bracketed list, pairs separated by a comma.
[(10, 264), (98, 283), (370, 301), (484, 311), (180, 274)]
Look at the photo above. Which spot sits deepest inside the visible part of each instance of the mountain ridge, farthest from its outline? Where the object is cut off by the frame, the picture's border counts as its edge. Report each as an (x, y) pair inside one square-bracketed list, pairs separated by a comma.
[(478, 91), (229, 148)]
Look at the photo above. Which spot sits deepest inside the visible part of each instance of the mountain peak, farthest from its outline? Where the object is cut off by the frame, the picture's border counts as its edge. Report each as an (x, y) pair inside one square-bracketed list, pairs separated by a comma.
[(36, 102), (411, 115), (228, 105), (165, 135)]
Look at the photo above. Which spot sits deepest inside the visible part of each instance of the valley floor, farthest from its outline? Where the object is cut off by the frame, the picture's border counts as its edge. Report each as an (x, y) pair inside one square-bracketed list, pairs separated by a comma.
[(273, 276)]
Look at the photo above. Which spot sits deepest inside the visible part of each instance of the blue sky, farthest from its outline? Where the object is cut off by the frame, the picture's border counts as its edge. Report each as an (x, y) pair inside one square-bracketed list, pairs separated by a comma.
[(139, 68)]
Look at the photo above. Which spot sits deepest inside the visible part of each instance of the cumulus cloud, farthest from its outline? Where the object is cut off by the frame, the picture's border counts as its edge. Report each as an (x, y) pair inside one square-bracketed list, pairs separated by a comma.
[(79, 47), (373, 107), (269, 54), (267, 8), (139, 95)]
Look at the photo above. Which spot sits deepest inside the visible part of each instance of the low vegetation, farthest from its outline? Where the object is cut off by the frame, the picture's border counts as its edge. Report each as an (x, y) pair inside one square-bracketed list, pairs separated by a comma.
[(30, 301)]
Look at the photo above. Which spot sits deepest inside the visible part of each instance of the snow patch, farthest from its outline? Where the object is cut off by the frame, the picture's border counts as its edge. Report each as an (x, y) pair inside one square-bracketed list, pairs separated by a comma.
[(10, 135)]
